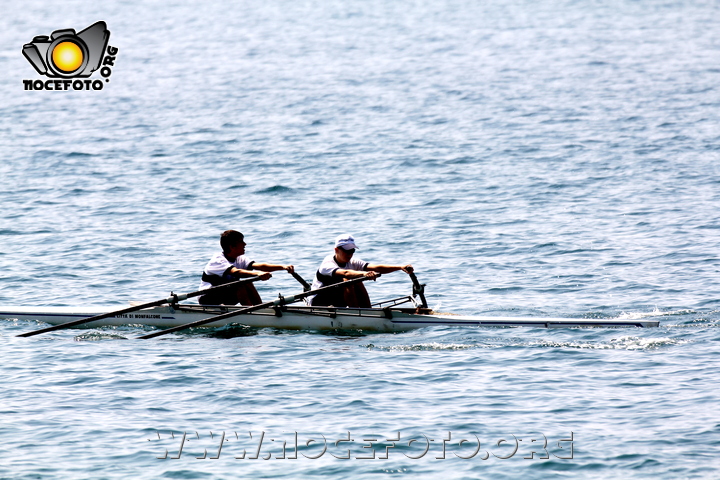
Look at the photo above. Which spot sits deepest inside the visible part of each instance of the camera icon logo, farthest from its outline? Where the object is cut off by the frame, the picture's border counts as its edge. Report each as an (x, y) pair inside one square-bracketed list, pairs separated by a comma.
[(67, 54)]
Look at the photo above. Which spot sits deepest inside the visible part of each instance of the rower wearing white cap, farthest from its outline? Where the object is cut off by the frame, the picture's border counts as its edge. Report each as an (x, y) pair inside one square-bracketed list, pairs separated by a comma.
[(341, 266)]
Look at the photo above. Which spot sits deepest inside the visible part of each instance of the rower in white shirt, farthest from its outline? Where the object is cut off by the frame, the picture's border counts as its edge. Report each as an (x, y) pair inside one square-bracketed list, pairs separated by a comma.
[(230, 265), (341, 266)]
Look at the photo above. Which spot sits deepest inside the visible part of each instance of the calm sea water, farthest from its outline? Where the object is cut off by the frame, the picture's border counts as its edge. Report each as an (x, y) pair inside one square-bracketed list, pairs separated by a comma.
[(538, 159)]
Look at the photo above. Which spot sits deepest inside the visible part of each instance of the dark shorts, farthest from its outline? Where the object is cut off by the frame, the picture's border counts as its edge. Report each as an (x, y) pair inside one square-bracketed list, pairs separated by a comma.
[(334, 297), (219, 298)]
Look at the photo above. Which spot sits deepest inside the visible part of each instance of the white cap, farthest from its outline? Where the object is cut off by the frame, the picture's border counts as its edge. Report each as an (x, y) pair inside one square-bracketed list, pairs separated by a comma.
[(346, 242)]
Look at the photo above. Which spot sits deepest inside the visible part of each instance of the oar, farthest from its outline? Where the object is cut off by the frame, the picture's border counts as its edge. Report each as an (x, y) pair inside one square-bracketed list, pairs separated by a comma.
[(275, 303), (306, 285), (170, 300), (418, 289)]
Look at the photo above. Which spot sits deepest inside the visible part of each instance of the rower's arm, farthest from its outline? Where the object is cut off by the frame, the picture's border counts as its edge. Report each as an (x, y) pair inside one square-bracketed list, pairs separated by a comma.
[(390, 268), (240, 273), (341, 272), (269, 267)]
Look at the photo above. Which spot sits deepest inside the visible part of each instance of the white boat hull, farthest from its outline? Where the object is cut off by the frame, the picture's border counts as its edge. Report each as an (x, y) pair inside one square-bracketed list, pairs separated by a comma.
[(301, 318)]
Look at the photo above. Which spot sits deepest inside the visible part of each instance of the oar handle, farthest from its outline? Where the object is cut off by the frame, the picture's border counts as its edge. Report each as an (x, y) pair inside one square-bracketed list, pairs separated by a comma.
[(170, 300), (306, 285), (275, 303), (418, 288)]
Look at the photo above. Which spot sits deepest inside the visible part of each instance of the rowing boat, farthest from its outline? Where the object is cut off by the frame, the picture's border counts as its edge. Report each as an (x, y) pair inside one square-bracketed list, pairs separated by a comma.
[(379, 319), (388, 316)]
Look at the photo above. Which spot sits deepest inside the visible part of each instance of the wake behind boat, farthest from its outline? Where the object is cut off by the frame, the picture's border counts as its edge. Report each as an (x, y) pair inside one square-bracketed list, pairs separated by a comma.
[(396, 315)]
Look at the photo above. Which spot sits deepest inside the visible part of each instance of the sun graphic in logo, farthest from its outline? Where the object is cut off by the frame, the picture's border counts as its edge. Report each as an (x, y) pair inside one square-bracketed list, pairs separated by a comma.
[(67, 56)]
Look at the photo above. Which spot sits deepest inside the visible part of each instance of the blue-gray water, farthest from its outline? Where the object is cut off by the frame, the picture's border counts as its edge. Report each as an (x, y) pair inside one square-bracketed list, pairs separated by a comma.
[(529, 158)]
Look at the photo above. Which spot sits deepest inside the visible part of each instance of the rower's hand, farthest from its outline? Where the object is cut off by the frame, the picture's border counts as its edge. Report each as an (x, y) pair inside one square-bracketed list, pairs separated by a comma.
[(371, 275), (263, 275), (408, 269), (289, 268)]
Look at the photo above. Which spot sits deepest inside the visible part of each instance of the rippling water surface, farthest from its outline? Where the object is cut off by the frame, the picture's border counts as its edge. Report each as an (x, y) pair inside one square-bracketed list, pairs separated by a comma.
[(552, 159)]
